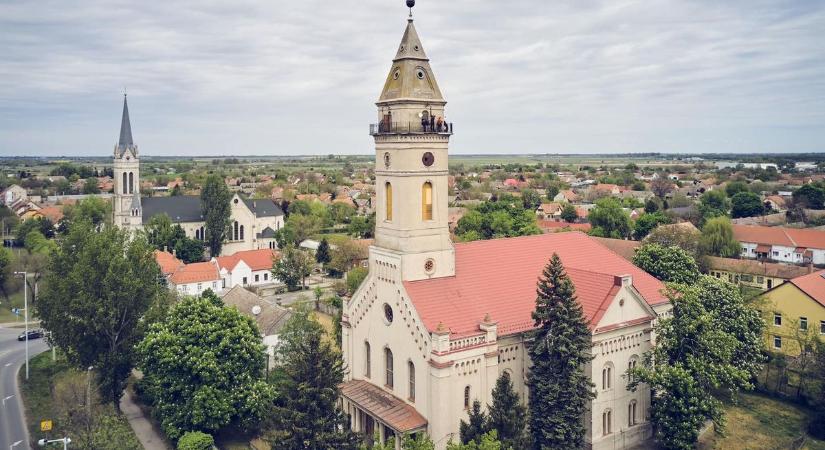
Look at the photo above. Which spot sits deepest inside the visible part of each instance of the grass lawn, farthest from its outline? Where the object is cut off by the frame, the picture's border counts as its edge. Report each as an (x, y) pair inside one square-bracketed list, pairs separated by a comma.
[(758, 422), (15, 301), (39, 401)]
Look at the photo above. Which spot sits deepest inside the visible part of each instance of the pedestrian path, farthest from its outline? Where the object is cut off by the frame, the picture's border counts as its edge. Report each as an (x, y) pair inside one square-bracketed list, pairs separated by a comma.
[(144, 430)]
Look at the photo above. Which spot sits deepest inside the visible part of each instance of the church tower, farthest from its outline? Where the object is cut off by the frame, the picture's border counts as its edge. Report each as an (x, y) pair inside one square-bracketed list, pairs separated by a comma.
[(127, 207), (411, 140)]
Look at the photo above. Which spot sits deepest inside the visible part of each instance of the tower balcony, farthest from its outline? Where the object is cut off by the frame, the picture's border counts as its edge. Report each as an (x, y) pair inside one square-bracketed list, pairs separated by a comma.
[(389, 128)]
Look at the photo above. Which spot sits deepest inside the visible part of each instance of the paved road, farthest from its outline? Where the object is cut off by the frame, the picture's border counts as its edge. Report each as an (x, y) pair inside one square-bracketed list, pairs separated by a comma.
[(12, 356)]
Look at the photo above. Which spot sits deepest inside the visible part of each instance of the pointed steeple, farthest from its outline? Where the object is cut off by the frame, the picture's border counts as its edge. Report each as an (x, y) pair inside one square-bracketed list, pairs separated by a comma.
[(410, 44), (125, 127), (411, 77)]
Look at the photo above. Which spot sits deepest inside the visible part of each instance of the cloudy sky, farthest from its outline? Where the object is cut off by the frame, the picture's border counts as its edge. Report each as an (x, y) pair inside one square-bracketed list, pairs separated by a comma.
[(243, 77)]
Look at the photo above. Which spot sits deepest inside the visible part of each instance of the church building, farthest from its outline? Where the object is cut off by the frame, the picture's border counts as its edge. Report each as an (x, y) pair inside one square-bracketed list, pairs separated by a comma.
[(253, 223), (436, 323)]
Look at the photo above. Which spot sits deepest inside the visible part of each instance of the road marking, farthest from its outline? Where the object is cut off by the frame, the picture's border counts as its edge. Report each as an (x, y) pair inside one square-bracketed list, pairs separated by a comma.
[(8, 364), (4, 400)]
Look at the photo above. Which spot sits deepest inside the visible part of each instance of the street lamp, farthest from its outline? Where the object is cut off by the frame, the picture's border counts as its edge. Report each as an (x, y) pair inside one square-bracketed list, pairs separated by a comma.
[(25, 276), (66, 441)]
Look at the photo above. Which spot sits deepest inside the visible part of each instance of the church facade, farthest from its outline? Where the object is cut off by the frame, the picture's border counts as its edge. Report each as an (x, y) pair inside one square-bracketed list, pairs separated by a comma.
[(435, 323), (253, 222)]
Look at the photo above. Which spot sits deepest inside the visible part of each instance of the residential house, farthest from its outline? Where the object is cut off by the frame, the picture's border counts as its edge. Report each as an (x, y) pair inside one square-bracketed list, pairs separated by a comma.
[(567, 196), (269, 317), (549, 211), (794, 310), (754, 274), (789, 245), (194, 279), (247, 268)]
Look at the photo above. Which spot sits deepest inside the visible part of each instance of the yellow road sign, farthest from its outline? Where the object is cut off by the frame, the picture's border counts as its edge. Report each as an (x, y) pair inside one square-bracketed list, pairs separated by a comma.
[(46, 425)]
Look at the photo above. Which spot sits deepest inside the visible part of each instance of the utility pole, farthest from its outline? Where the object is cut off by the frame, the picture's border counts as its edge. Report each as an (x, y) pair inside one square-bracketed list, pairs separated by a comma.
[(26, 313)]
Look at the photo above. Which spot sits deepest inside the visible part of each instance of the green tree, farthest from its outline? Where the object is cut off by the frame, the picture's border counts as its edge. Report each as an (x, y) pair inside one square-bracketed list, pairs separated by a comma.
[(711, 344), (161, 233), (717, 238), (735, 187), (553, 190), (306, 412), (355, 277), (569, 214), (6, 257), (560, 391), (652, 206), (647, 222), (189, 250), (507, 415), (302, 227), (344, 256), (746, 204), (609, 219), (362, 227), (203, 368), (216, 211), (301, 207), (23, 229), (504, 217), (476, 425), (196, 440), (94, 210), (810, 196), (530, 199), (668, 264), (322, 254), (90, 186), (293, 267), (37, 243), (99, 287), (713, 204)]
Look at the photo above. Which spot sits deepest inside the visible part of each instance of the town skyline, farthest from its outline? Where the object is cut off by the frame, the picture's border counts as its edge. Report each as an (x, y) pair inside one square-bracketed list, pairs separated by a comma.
[(527, 79)]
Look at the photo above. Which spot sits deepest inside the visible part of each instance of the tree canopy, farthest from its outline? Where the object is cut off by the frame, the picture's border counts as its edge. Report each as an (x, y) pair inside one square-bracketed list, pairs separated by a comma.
[(717, 238), (504, 217), (609, 219), (746, 204), (713, 204), (293, 266), (668, 264), (216, 211)]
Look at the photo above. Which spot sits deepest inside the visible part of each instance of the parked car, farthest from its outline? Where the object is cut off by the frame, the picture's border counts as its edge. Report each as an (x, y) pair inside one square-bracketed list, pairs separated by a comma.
[(33, 334)]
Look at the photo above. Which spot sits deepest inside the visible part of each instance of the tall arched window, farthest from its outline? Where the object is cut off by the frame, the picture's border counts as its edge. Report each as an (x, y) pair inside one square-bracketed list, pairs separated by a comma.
[(235, 231), (367, 360), (631, 413), (411, 370), (388, 365), (630, 366), (427, 201), (607, 375), (607, 422), (125, 183), (467, 397), (131, 182), (241, 234), (388, 205)]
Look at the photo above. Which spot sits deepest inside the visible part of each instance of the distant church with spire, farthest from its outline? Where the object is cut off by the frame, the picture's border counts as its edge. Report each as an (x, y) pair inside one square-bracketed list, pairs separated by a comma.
[(436, 323), (253, 223)]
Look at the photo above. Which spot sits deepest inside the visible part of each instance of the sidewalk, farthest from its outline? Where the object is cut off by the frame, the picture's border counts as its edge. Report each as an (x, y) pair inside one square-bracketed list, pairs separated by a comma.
[(144, 430)]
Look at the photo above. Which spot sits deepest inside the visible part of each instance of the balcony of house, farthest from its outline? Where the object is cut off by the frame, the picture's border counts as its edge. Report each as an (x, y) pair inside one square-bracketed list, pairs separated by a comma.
[(384, 128)]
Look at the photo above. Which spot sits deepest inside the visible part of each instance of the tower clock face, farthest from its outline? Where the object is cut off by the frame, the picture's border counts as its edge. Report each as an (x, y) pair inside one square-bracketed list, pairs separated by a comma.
[(428, 159)]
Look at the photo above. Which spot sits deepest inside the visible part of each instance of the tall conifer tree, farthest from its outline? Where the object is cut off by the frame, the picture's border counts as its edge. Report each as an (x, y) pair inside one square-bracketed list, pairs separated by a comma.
[(507, 415), (559, 388)]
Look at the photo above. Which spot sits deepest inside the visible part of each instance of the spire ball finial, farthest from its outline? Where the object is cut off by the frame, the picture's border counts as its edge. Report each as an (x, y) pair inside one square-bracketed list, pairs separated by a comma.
[(410, 3)]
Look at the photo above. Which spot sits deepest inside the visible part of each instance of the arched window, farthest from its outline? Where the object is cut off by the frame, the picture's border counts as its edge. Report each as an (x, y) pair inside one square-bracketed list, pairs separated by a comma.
[(607, 376), (427, 201), (367, 360), (241, 238), (607, 422), (631, 413), (388, 195), (630, 366), (411, 369), (467, 397), (388, 365), (125, 183), (235, 231), (131, 182)]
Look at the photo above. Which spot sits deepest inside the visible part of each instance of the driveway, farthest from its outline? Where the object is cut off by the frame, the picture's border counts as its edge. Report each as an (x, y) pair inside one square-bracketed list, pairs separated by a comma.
[(12, 356)]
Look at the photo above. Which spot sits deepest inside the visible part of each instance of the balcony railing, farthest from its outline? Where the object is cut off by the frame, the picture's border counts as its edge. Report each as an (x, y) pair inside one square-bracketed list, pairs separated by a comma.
[(410, 128)]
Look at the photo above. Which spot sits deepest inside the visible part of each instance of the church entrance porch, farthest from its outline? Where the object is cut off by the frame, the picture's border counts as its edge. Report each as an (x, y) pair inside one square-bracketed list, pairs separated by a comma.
[(373, 410)]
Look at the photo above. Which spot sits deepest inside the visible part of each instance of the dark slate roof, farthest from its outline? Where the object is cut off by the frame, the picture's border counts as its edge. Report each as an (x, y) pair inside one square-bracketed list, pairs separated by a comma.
[(181, 208), (266, 233), (263, 207)]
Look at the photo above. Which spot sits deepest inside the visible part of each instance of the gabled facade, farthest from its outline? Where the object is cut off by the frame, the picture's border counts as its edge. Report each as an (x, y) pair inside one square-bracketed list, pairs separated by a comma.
[(793, 312)]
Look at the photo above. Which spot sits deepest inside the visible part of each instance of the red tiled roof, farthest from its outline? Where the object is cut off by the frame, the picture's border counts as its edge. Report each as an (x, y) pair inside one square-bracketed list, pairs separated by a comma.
[(168, 263), (552, 226), (812, 284), (255, 259), (379, 403), (499, 277), (196, 273), (788, 237)]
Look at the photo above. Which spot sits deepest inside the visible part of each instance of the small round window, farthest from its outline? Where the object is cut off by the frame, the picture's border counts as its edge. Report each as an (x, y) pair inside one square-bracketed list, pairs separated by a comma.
[(416, 48), (420, 74), (388, 313), (396, 74), (401, 49), (235, 201), (429, 266)]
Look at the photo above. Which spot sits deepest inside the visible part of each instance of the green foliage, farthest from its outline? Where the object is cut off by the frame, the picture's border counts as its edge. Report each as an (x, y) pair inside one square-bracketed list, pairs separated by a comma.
[(189, 250), (507, 415), (322, 254), (204, 367), (530, 199), (41, 225), (362, 227), (569, 214), (746, 204), (300, 227), (810, 196), (668, 264), (647, 222), (299, 207), (609, 219), (711, 344), (713, 204), (5, 269), (355, 277), (553, 190), (305, 413), (216, 211), (162, 234), (735, 187), (293, 267), (93, 210), (35, 242), (717, 239), (560, 391), (505, 217), (476, 425), (99, 287), (652, 206), (196, 440), (488, 441), (90, 186)]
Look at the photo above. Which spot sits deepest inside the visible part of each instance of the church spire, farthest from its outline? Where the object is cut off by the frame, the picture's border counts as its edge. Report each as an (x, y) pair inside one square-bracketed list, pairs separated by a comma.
[(125, 128)]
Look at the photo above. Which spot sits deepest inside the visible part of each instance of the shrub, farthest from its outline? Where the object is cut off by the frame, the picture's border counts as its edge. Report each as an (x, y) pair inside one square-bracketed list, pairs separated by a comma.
[(195, 440)]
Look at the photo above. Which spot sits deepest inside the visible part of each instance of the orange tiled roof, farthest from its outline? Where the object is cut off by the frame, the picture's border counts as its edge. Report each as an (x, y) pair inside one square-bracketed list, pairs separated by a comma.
[(168, 263), (498, 277), (789, 237), (196, 273), (255, 259), (812, 284), (379, 403)]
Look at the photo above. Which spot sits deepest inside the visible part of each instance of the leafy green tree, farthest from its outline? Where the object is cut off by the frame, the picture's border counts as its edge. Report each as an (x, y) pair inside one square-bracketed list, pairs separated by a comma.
[(301, 207), (344, 256), (355, 277), (507, 415), (6, 257), (735, 187), (161, 233), (711, 344), (362, 227), (647, 222), (560, 391), (216, 211), (302, 227), (306, 412), (530, 199), (746, 204), (340, 213), (552, 190), (293, 267), (717, 238), (98, 289), (203, 368), (504, 217), (609, 219), (668, 264), (713, 204), (196, 440), (189, 250), (652, 206), (810, 196), (90, 186), (476, 425), (37, 243), (94, 210), (23, 229), (489, 441), (569, 214), (322, 254)]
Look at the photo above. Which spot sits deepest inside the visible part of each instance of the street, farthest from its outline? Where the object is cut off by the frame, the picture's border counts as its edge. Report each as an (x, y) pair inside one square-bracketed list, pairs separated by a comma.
[(12, 356)]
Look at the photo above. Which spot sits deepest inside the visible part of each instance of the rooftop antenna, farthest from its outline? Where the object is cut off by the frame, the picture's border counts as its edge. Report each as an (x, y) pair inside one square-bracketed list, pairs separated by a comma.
[(410, 4)]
